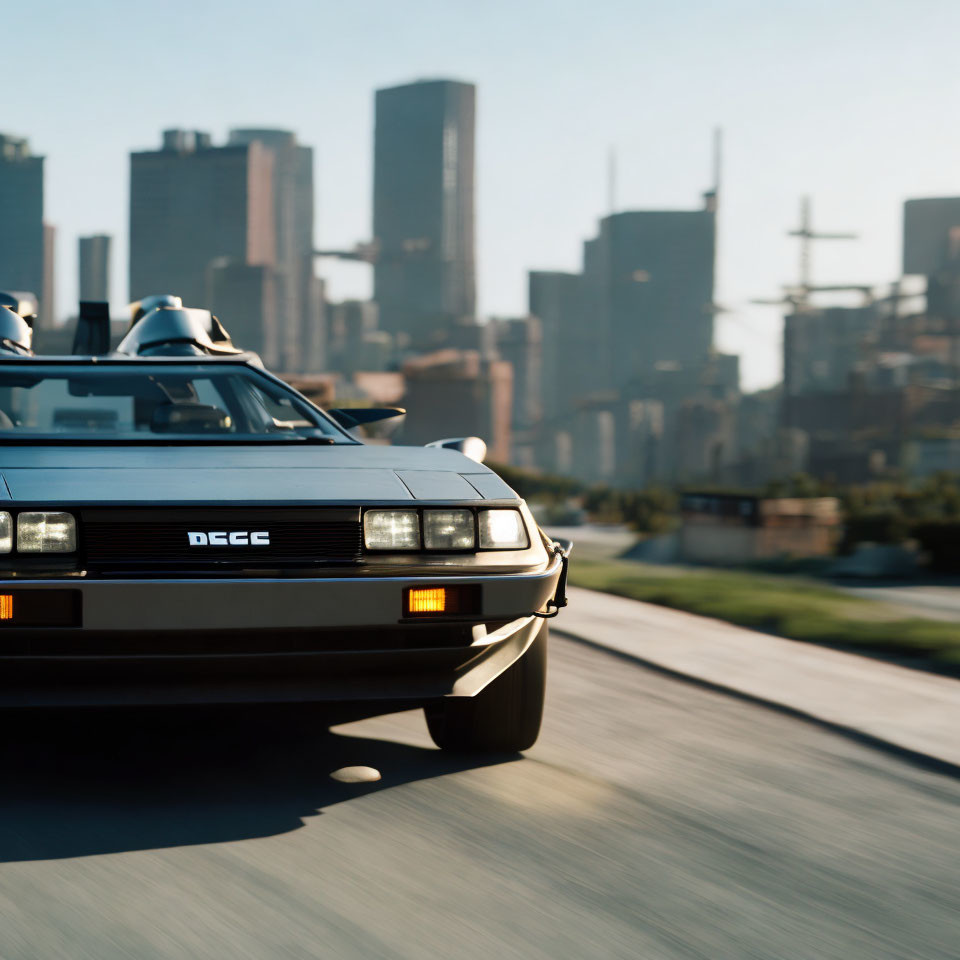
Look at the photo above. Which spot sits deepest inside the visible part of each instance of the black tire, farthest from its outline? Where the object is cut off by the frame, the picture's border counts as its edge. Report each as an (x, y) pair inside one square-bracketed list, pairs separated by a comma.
[(504, 717)]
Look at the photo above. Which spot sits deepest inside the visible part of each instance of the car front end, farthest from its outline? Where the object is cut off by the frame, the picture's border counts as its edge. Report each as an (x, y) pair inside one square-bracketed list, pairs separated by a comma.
[(206, 603), (179, 526)]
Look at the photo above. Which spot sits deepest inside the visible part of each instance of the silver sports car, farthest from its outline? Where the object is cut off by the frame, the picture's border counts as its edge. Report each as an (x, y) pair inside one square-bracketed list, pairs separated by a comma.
[(181, 526)]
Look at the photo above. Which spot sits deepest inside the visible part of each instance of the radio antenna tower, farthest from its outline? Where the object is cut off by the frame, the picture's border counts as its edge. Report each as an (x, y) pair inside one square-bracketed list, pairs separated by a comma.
[(612, 180), (717, 160)]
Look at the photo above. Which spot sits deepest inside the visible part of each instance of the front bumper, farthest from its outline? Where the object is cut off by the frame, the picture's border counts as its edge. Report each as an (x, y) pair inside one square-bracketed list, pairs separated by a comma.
[(231, 641)]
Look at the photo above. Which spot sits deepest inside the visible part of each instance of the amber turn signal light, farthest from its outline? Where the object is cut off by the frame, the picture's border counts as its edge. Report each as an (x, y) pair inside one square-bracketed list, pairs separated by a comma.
[(6, 606), (461, 600), (427, 600)]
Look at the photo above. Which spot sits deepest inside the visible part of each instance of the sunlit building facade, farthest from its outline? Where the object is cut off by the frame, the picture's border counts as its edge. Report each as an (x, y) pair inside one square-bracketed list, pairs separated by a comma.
[(192, 203), (423, 208), (22, 255), (94, 260)]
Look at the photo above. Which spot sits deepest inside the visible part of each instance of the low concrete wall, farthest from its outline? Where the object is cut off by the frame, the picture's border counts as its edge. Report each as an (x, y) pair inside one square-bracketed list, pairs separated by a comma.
[(733, 544)]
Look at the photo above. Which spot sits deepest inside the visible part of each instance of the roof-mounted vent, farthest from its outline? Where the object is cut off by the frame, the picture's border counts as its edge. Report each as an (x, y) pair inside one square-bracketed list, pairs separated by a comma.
[(175, 331), (92, 334)]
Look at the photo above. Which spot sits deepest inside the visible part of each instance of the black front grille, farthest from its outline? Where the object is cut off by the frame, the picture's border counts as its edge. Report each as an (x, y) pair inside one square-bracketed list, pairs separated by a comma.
[(142, 540)]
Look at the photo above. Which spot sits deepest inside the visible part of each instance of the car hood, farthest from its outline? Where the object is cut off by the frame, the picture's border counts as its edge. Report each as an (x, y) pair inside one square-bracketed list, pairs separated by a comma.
[(243, 474)]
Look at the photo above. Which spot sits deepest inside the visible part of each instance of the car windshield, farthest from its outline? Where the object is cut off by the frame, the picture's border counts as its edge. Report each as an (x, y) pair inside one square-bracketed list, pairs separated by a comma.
[(146, 402)]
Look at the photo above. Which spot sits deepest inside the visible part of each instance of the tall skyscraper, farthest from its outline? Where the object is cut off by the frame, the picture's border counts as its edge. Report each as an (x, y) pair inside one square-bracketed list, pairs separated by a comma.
[(520, 343), (650, 276), (633, 328), (244, 297), (556, 298), (46, 315), (931, 234), (292, 186), (423, 207), (22, 241), (94, 260), (644, 302), (192, 204), (459, 393), (246, 204), (823, 346)]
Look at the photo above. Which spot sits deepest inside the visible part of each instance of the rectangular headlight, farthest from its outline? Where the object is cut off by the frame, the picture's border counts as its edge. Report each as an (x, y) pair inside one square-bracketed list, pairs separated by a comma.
[(502, 530), (448, 530), (46, 533), (6, 532), (391, 530)]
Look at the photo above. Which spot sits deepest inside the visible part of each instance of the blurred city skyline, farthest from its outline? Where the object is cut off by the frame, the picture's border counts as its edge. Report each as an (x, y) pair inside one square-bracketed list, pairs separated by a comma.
[(824, 100)]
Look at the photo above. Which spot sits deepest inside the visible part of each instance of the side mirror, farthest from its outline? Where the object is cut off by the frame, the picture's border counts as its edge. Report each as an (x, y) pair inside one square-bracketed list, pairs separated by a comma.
[(472, 447), (356, 416), (565, 545)]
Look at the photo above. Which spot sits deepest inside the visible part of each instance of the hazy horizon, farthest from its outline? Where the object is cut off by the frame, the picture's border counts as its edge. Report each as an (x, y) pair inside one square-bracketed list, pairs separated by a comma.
[(846, 102)]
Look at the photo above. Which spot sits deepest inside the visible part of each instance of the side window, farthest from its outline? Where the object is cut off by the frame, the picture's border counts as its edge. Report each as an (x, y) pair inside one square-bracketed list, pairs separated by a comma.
[(280, 412), (281, 408), (207, 393)]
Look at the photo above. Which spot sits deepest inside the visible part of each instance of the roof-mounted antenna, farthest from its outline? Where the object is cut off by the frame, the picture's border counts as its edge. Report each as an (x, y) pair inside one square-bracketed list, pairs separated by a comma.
[(712, 196), (717, 159), (612, 180)]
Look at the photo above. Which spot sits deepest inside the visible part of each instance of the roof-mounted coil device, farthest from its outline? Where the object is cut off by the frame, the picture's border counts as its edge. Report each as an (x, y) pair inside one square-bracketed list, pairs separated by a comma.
[(22, 303), (167, 329), (16, 335)]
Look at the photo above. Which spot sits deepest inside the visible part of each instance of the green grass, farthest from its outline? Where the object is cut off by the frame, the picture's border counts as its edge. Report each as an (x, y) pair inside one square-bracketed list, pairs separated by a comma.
[(786, 606)]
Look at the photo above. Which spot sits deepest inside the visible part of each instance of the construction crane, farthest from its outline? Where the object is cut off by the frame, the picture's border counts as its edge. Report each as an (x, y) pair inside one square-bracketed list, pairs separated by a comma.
[(363, 252), (807, 234), (797, 295)]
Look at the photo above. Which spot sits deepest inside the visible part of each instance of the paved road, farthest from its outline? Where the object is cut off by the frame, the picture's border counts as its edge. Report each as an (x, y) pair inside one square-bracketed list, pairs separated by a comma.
[(933, 602), (913, 710), (653, 820)]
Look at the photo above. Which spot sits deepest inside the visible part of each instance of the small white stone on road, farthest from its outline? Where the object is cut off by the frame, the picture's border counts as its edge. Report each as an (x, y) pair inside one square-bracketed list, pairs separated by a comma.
[(356, 775)]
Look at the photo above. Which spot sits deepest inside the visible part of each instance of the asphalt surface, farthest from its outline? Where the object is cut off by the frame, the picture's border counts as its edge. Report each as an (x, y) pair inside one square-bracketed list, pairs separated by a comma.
[(930, 601), (654, 819)]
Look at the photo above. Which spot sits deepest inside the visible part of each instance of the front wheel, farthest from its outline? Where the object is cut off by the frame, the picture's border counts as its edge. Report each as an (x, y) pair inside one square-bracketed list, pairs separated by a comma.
[(504, 717)]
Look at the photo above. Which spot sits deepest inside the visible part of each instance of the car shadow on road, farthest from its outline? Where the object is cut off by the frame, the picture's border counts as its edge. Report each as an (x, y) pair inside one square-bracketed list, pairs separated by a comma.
[(88, 783)]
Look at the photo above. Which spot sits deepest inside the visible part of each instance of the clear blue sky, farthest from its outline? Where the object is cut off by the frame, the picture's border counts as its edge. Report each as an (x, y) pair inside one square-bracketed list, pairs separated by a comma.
[(852, 102)]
